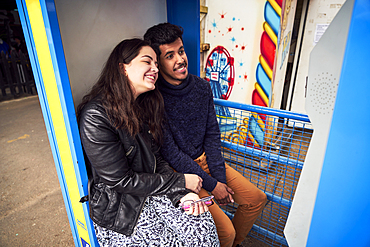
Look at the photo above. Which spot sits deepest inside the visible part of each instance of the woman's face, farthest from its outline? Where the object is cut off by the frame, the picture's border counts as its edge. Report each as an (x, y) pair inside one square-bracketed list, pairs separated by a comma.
[(142, 71)]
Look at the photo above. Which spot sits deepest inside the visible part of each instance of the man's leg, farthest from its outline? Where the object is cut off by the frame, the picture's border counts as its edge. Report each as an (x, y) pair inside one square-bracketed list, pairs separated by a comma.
[(225, 228), (251, 202)]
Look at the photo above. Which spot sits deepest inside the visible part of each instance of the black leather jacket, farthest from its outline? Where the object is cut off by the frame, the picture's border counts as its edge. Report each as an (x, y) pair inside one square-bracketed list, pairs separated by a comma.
[(123, 171)]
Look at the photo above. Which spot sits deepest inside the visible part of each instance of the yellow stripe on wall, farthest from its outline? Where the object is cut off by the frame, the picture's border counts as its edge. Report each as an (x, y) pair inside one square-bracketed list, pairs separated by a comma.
[(259, 121), (261, 93), (265, 67), (275, 6), (270, 32), (54, 102), (251, 137)]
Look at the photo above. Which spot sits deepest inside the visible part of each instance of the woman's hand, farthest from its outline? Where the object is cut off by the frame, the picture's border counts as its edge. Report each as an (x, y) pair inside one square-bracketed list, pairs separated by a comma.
[(193, 182), (197, 208)]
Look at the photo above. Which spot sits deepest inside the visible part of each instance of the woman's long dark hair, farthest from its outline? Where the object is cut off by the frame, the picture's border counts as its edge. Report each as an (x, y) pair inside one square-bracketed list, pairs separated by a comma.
[(117, 97)]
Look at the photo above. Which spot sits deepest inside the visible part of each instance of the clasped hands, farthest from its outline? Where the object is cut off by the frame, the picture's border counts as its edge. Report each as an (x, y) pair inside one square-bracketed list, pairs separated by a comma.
[(223, 194)]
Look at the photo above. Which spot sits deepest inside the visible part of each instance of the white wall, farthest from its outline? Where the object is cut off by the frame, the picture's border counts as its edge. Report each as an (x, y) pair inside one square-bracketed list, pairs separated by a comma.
[(319, 13), (237, 26), (90, 29)]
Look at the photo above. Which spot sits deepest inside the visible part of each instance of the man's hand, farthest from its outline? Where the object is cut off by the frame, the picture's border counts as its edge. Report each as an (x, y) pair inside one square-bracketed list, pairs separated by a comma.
[(223, 193), (193, 182)]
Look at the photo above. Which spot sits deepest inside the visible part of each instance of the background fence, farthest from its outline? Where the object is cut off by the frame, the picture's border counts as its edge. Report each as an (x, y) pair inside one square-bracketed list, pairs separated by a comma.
[(268, 147), (16, 76)]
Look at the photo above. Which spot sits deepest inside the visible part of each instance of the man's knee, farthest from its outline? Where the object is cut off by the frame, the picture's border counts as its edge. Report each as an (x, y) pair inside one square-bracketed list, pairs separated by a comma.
[(227, 236), (262, 198), (230, 233), (257, 201)]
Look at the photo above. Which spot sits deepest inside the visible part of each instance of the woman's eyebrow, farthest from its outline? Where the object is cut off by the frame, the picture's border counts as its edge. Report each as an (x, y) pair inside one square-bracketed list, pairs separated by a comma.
[(148, 56)]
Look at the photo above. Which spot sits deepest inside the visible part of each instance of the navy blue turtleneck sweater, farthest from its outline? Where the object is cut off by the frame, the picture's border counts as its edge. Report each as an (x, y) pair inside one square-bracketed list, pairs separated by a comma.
[(192, 129)]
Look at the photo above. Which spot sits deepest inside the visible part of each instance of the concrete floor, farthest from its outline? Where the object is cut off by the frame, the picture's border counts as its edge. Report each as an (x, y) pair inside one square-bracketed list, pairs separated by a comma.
[(32, 210)]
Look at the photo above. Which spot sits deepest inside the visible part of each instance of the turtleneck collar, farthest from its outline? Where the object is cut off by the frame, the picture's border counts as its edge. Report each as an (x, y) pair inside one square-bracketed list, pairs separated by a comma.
[(183, 88)]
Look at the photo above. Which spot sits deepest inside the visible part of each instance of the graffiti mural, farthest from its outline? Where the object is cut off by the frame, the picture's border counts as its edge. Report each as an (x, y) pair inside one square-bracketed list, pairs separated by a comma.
[(243, 37), (220, 74), (236, 26)]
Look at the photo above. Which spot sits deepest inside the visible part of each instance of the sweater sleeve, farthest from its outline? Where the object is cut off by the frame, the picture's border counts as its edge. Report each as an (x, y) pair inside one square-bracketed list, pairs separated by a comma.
[(212, 144), (182, 162)]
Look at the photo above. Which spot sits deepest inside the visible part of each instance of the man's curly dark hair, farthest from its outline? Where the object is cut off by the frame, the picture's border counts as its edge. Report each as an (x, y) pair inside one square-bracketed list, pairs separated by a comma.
[(161, 34)]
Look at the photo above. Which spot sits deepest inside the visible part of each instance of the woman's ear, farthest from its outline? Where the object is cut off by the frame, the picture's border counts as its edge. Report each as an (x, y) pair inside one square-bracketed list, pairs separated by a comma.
[(122, 69)]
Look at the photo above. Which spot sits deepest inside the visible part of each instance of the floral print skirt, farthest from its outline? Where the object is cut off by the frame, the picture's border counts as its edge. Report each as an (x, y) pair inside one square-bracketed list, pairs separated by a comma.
[(161, 224)]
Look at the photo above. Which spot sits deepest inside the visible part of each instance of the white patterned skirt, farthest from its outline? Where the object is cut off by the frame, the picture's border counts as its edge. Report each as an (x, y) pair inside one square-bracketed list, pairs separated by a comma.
[(161, 224)]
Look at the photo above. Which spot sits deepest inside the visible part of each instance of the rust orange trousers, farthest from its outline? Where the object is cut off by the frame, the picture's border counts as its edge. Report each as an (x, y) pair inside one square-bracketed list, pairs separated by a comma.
[(251, 202)]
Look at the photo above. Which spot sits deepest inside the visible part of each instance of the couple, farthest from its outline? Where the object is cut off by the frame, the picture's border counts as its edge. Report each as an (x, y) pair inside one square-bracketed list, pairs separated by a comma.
[(135, 197)]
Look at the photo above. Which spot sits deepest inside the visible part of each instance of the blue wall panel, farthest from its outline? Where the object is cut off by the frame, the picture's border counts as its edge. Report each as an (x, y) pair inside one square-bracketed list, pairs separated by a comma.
[(187, 15), (341, 215)]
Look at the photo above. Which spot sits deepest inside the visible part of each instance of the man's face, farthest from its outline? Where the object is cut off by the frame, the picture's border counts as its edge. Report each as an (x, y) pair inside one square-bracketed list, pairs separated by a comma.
[(173, 62)]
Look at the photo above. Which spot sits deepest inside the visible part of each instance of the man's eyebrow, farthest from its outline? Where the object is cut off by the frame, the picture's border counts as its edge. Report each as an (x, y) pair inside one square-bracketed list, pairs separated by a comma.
[(169, 52)]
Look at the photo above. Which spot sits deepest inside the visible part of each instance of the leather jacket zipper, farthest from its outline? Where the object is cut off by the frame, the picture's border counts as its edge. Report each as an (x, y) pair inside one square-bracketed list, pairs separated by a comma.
[(129, 151), (155, 164)]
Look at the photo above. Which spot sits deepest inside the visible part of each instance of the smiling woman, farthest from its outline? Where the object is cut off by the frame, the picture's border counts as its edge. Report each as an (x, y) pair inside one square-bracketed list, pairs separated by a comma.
[(134, 194), (142, 71)]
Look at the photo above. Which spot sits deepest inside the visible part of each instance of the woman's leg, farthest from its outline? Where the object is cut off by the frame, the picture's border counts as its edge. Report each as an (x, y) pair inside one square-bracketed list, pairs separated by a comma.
[(189, 230), (150, 229)]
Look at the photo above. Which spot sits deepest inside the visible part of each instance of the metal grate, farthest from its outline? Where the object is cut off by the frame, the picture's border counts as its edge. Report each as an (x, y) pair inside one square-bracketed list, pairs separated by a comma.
[(267, 146)]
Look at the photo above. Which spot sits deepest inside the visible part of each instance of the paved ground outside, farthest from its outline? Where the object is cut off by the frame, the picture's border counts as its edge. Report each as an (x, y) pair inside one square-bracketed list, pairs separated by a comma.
[(32, 211)]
